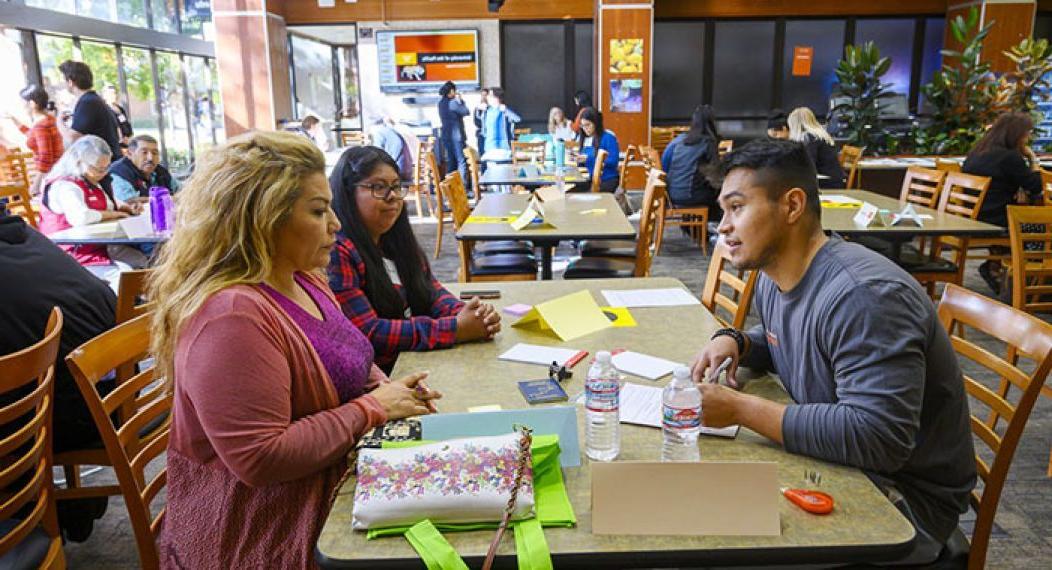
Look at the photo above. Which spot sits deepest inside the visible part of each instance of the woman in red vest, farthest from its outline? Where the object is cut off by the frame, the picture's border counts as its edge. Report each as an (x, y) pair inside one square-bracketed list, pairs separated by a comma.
[(73, 196)]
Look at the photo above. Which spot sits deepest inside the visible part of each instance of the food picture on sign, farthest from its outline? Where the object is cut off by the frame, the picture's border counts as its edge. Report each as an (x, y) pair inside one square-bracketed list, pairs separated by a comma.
[(626, 95), (626, 56)]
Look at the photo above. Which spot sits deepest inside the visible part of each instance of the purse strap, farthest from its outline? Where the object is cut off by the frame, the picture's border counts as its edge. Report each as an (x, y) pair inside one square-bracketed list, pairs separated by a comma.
[(524, 456)]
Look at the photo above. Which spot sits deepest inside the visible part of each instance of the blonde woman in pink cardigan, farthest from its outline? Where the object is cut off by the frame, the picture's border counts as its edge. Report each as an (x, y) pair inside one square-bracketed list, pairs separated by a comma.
[(272, 384)]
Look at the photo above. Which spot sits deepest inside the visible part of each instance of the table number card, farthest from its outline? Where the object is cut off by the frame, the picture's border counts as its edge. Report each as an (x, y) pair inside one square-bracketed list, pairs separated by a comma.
[(868, 215)]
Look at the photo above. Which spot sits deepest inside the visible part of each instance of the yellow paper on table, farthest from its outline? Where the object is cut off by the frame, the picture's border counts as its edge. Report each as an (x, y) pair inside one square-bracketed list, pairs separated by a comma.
[(549, 194), (619, 316), (569, 316), (533, 211), (488, 219)]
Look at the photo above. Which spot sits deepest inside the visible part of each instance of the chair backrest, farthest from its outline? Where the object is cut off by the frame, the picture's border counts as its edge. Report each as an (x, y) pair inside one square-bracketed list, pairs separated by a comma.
[(849, 159), (521, 131), (1024, 335), (418, 165), (651, 158), (948, 166), (527, 151), (457, 196), (1046, 187), (352, 138), (631, 155), (474, 166), (963, 194), (13, 167), (431, 176), (921, 186), (130, 290), (661, 136), (654, 198), (19, 201), (725, 146), (597, 169), (742, 283), (27, 381), (1030, 234), (143, 436)]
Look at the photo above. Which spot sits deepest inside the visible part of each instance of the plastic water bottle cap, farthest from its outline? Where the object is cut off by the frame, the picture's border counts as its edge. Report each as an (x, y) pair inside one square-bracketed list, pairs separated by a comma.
[(681, 373), (603, 357)]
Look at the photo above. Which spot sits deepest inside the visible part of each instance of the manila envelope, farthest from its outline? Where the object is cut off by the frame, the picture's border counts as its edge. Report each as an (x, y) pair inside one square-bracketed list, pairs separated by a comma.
[(569, 317), (695, 499)]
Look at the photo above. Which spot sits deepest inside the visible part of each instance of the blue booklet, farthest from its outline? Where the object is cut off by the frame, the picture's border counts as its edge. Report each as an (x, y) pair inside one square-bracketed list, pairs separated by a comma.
[(542, 391)]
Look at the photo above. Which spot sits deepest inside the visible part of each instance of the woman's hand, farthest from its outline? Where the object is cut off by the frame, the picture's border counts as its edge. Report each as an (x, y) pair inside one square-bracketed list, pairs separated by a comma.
[(406, 397), (476, 321), (108, 215)]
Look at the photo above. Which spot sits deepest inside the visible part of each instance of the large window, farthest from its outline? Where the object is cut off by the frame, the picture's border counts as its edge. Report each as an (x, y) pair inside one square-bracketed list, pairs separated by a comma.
[(165, 15), (202, 116), (189, 17), (52, 51), (894, 37), (351, 111), (811, 85), (142, 98), (742, 82), (312, 74), (173, 110), (102, 59), (679, 72)]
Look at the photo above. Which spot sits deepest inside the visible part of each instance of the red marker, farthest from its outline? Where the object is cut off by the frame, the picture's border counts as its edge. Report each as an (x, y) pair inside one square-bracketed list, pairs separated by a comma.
[(573, 360)]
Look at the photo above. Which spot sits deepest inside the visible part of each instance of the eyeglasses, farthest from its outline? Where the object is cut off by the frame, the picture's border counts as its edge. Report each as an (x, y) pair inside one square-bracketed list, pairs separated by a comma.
[(384, 191)]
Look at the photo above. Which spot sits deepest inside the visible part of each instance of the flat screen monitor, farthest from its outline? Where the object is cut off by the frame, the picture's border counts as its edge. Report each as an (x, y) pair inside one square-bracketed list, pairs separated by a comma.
[(414, 60)]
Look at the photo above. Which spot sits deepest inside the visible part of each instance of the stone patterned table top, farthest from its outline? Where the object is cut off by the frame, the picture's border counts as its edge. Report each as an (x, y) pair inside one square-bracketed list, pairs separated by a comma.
[(584, 215), (864, 526), (841, 220)]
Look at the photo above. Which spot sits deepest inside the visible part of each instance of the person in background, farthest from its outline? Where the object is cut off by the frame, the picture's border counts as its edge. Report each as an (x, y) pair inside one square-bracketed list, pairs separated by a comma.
[(559, 126), (1004, 155), (394, 144), (312, 128), (133, 175), (109, 94), (873, 379), (685, 161), (91, 115), (805, 129), (477, 116), (35, 276), (451, 112), (593, 137), (777, 124), (379, 273), (73, 196), (43, 138), (272, 386), (583, 101), (498, 124)]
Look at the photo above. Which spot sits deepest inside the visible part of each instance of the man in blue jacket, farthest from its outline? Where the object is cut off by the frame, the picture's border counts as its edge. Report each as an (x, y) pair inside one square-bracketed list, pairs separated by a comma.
[(451, 112)]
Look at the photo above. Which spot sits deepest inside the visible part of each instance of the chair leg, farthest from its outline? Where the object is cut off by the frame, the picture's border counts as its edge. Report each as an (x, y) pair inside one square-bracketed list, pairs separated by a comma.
[(72, 476), (438, 239), (704, 234), (660, 230), (419, 204)]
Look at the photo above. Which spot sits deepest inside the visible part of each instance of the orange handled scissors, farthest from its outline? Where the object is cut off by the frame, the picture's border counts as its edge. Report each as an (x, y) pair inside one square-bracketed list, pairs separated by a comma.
[(814, 502)]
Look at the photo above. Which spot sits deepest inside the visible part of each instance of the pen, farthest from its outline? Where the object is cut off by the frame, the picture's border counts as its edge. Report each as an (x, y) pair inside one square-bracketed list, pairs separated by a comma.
[(715, 376)]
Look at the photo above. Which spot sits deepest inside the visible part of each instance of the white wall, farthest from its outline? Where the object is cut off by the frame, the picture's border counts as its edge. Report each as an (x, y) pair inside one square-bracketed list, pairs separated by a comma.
[(375, 103)]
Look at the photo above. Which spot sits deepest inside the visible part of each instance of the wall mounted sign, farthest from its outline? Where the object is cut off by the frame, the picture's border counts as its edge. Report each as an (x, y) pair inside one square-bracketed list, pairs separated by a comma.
[(802, 57), (626, 56)]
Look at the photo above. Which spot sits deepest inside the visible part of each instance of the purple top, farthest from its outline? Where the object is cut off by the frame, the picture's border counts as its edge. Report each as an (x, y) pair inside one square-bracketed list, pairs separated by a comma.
[(346, 353)]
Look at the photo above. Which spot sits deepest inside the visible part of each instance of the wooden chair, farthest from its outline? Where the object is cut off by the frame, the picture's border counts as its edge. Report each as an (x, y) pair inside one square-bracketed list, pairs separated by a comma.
[(352, 138), (961, 195), (597, 170), (849, 158), (660, 137), (143, 403), (742, 283), (725, 146), (654, 198), (694, 218), (15, 184), (1025, 336), (474, 169), (420, 187), (1046, 187), (439, 210), (626, 248), (921, 186), (130, 290), (528, 151), (521, 131), (947, 166), (27, 377), (493, 266)]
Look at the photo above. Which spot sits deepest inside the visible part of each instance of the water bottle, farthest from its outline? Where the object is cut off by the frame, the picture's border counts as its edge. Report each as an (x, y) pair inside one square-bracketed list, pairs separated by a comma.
[(560, 154), (162, 212), (680, 417), (602, 392)]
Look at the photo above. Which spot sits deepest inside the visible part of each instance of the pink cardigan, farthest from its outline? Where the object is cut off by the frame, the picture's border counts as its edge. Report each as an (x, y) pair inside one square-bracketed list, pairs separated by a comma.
[(258, 437)]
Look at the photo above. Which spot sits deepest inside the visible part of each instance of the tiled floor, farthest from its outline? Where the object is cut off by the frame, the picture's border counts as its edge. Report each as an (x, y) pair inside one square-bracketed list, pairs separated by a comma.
[(1024, 538)]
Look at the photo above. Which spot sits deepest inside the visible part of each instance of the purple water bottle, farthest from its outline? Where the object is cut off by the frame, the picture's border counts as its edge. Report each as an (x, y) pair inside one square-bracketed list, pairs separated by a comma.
[(161, 213)]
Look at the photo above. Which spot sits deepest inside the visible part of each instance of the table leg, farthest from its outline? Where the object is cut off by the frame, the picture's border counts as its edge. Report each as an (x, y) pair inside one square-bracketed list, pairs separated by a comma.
[(546, 261)]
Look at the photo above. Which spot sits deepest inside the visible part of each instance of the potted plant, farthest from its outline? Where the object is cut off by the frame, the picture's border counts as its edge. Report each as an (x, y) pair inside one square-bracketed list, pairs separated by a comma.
[(1021, 89), (861, 91)]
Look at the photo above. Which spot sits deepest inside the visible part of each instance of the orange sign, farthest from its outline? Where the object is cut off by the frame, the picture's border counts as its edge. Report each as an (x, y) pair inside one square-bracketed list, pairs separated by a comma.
[(802, 56)]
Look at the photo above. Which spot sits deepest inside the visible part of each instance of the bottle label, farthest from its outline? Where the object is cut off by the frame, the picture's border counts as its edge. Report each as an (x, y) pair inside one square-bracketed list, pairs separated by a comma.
[(680, 418), (602, 395)]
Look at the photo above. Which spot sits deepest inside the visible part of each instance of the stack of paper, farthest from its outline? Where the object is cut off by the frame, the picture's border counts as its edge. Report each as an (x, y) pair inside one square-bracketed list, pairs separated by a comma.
[(641, 405), (536, 354), (649, 367), (650, 298)]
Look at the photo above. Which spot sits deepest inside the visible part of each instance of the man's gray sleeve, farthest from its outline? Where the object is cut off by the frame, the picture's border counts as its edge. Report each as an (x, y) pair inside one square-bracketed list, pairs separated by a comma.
[(876, 338), (758, 357)]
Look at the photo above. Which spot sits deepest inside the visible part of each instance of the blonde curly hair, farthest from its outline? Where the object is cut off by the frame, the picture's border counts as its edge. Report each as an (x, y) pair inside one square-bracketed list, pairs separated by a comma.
[(227, 214)]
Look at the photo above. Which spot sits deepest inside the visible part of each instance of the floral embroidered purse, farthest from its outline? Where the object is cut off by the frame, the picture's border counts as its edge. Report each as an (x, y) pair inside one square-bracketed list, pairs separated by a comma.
[(457, 481)]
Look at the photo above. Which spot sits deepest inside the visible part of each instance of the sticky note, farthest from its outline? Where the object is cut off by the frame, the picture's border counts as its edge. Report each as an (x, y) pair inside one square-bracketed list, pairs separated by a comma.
[(569, 317)]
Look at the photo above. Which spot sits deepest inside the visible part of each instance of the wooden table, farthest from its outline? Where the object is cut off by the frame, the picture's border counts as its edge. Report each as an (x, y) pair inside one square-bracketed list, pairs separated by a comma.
[(864, 526), (105, 233), (568, 216), (529, 175)]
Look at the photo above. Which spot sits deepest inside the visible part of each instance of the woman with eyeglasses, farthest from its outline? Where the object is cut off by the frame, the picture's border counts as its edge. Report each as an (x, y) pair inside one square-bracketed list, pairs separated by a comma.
[(379, 273)]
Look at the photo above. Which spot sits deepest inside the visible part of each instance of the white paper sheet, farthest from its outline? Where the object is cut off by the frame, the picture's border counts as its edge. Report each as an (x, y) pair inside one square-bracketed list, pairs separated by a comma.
[(649, 367), (839, 199), (137, 226), (536, 354), (650, 298), (641, 405)]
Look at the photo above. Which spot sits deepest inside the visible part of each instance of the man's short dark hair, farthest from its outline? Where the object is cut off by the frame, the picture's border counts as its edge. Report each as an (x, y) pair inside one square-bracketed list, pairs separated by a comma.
[(447, 88), (78, 72), (777, 119), (778, 166), (135, 141)]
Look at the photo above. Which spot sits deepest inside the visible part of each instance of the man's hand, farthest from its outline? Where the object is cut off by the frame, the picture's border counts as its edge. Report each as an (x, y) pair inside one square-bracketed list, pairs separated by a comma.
[(719, 405), (710, 357)]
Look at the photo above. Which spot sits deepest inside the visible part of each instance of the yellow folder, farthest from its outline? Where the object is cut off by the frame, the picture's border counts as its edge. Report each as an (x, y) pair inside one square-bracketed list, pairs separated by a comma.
[(569, 317)]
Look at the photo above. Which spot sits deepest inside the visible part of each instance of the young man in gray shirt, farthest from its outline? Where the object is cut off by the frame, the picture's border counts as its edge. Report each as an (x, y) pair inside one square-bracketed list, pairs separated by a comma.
[(854, 339)]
